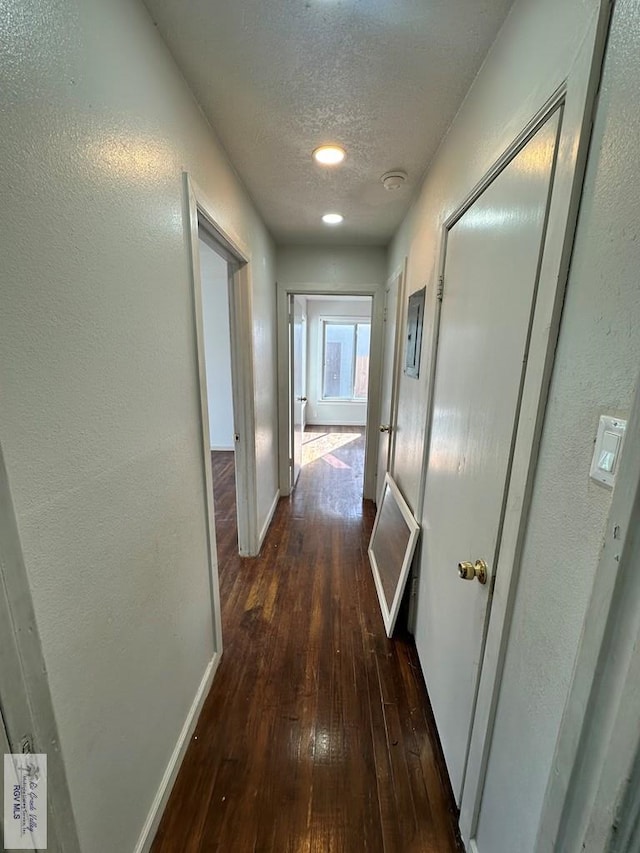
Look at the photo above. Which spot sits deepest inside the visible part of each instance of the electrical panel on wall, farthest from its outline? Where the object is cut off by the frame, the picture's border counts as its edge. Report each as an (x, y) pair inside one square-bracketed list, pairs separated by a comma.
[(415, 319)]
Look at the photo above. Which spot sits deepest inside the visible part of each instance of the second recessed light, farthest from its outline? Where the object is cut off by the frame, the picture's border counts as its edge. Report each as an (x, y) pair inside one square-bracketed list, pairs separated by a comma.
[(332, 218), (329, 155)]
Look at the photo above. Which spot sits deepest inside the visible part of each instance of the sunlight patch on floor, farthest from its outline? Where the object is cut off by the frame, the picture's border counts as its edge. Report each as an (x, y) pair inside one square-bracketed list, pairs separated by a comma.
[(332, 460), (321, 444)]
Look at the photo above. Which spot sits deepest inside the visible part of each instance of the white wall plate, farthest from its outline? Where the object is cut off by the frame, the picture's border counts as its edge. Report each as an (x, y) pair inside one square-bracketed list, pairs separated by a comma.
[(606, 453)]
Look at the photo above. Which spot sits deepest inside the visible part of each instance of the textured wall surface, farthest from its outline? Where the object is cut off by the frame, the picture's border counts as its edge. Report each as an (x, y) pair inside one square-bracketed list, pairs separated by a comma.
[(342, 265), (382, 76), (596, 365), (99, 419)]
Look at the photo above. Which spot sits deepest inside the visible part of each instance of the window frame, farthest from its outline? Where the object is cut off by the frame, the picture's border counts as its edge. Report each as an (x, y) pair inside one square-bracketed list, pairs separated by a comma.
[(342, 321)]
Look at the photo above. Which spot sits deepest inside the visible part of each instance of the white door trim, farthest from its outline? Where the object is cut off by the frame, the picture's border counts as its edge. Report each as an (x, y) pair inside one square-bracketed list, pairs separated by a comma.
[(598, 742), (243, 385), (200, 213), (5, 749), (376, 291), (4, 738), (401, 275), (292, 393), (575, 97), (27, 708)]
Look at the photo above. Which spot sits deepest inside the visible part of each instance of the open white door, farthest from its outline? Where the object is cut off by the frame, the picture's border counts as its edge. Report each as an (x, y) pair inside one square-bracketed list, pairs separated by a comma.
[(389, 382), (298, 372)]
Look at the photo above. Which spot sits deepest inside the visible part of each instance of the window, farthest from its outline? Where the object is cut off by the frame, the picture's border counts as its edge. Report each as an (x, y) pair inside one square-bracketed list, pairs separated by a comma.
[(345, 373)]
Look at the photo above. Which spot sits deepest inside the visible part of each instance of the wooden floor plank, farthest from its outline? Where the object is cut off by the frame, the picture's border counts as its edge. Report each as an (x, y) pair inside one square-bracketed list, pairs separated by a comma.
[(317, 734)]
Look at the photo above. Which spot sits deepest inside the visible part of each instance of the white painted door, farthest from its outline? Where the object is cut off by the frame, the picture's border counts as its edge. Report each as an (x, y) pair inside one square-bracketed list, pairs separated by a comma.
[(298, 382), (490, 281), (389, 381)]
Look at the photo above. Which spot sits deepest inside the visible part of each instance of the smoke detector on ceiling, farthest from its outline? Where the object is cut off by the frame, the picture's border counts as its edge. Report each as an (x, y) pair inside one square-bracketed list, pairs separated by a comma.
[(393, 180)]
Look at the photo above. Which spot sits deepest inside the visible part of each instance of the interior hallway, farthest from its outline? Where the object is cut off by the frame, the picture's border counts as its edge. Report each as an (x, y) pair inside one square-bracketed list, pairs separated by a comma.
[(316, 733)]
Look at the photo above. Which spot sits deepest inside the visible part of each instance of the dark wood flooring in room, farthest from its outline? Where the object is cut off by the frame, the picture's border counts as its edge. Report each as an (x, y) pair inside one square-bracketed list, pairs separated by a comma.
[(315, 736)]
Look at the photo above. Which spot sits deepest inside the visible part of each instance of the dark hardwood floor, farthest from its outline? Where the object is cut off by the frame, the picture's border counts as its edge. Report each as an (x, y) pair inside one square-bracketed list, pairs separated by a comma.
[(316, 735), (224, 499)]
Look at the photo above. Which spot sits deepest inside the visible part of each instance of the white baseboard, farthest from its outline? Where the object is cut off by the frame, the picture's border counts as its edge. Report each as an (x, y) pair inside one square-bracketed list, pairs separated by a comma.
[(220, 447), (268, 520), (160, 800)]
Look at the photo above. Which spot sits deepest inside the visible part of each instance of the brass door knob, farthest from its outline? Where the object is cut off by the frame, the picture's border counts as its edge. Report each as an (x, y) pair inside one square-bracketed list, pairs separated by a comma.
[(471, 571), (385, 428)]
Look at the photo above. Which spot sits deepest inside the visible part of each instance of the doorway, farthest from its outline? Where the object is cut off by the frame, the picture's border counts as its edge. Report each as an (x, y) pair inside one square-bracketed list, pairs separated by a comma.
[(319, 405), (329, 370), (491, 269), (497, 309), (238, 288), (216, 289), (390, 380)]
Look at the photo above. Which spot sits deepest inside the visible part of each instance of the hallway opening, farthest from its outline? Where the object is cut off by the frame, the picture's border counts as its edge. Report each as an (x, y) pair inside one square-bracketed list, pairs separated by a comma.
[(329, 349), (317, 733), (216, 323)]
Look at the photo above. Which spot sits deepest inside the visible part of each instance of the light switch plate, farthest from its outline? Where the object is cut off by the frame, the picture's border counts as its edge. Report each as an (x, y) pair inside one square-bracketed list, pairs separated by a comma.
[(606, 453)]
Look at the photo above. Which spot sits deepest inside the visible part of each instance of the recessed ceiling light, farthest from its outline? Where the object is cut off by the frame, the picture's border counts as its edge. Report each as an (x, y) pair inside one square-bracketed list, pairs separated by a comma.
[(332, 218), (329, 155)]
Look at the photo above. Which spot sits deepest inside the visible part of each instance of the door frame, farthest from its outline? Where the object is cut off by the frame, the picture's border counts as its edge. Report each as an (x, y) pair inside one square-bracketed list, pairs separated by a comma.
[(200, 214), (292, 392), (25, 697), (401, 275), (376, 292), (575, 96), (529, 405), (5, 749)]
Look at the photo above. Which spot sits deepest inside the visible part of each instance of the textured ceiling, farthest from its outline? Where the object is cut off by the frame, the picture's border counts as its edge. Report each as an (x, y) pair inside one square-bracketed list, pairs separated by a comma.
[(277, 78)]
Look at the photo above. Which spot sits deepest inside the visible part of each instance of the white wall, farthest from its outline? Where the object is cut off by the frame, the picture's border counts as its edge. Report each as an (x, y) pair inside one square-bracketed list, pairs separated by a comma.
[(596, 363), (320, 265), (321, 411), (217, 346), (99, 420)]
